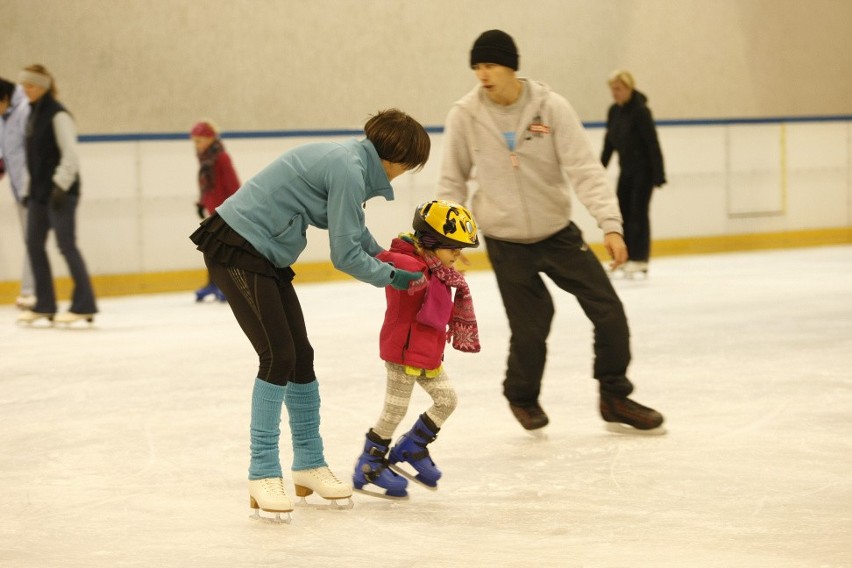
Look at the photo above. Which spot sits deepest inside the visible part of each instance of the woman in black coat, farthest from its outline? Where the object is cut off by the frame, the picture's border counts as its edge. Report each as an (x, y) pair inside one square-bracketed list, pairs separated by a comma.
[(52, 199), (630, 131)]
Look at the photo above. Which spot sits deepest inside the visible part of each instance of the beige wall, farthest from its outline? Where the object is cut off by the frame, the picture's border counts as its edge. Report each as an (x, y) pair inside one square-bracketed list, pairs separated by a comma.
[(129, 66)]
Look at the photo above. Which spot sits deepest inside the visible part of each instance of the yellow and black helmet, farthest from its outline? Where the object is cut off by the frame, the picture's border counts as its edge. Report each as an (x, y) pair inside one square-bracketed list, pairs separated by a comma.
[(445, 224)]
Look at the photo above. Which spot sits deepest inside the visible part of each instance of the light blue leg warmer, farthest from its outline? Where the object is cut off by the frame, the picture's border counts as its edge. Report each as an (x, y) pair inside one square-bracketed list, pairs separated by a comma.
[(303, 404), (266, 402)]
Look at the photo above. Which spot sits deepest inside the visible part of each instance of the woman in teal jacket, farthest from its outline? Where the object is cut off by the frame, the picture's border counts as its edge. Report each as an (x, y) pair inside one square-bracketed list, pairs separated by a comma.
[(249, 245)]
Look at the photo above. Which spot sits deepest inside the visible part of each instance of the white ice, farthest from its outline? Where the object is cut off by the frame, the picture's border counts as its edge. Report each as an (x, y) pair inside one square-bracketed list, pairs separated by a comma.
[(126, 445)]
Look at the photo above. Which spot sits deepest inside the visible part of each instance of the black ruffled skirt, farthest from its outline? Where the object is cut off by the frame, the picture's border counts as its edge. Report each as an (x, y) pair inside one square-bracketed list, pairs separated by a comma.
[(219, 242)]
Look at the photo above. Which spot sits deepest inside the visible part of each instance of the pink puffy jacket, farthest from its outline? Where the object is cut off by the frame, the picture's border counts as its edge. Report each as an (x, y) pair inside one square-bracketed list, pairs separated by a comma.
[(415, 328)]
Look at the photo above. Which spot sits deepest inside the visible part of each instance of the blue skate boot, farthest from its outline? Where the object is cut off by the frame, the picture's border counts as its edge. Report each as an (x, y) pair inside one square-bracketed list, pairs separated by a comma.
[(208, 290), (411, 449), (220, 295), (372, 468)]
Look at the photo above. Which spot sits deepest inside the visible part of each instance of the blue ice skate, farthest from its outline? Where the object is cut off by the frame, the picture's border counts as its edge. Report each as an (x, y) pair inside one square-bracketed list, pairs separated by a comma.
[(220, 295), (210, 290), (411, 449), (372, 469)]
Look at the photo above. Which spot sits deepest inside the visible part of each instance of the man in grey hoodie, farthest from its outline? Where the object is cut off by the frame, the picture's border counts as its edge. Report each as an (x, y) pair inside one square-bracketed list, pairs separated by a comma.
[(525, 148)]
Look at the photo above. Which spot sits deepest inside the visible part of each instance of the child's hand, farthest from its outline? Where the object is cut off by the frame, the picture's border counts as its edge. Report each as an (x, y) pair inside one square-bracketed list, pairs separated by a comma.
[(407, 280), (418, 284)]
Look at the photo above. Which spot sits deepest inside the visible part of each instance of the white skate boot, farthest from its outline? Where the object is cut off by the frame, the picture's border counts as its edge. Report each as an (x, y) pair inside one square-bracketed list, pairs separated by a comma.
[(29, 317), (25, 302), (634, 268), (326, 485), (68, 318), (269, 495)]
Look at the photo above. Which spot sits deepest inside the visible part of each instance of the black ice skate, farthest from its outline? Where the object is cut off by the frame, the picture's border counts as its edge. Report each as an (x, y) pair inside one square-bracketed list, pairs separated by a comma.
[(627, 416), (531, 417)]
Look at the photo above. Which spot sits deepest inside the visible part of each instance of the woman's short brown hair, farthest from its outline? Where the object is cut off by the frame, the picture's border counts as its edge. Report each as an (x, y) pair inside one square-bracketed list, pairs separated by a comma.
[(399, 139)]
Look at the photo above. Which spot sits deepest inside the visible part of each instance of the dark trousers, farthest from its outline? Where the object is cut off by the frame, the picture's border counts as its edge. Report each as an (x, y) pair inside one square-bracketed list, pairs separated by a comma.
[(634, 200), (270, 315), (573, 267), (41, 218)]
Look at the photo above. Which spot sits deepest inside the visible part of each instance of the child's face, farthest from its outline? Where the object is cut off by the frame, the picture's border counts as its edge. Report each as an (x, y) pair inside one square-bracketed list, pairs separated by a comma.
[(202, 143), (447, 256)]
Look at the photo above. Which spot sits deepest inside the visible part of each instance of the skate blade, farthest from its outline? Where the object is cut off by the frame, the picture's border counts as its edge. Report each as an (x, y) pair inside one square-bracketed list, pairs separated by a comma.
[(28, 319), (385, 496), (538, 433), (276, 520), (411, 476), (619, 428), (341, 504)]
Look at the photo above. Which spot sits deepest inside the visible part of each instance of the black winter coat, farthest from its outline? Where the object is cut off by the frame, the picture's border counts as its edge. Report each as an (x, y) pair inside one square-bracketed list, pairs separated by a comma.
[(43, 153), (630, 131)]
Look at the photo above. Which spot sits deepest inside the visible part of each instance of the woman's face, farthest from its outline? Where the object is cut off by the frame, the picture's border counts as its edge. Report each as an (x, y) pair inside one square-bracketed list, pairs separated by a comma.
[(4, 105), (33, 92), (393, 170), (621, 93)]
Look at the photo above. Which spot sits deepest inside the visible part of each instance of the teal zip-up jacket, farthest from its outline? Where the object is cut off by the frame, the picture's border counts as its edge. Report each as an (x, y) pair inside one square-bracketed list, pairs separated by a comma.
[(324, 185)]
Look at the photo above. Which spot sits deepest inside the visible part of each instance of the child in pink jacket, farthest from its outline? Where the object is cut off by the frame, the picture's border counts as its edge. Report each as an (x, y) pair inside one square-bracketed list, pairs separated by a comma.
[(416, 328)]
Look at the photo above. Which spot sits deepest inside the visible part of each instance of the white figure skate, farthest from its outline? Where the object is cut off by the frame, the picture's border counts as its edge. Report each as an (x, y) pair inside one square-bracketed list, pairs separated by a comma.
[(635, 268), (326, 485), (29, 317), (25, 302), (269, 495), (69, 318)]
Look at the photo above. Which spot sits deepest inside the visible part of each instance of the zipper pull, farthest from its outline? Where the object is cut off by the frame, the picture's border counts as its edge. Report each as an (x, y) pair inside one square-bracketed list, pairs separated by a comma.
[(514, 158)]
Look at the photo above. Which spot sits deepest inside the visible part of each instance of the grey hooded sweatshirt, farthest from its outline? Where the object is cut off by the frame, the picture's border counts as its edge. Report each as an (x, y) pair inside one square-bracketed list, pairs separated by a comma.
[(523, 195)]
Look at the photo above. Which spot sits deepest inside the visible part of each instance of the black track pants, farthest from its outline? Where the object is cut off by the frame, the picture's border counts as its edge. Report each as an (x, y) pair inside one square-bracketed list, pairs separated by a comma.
[(573, 267)]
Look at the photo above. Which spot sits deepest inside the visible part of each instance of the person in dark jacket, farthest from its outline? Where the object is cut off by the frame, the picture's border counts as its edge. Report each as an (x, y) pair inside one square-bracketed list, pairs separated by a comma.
[(630, 131), (52, 199)]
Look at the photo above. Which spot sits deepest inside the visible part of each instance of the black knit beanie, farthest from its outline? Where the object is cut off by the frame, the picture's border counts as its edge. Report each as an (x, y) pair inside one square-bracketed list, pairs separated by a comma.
[(495, 46)]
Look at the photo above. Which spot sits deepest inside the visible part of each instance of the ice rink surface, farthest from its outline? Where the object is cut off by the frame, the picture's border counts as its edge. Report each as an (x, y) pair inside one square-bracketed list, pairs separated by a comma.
[(126, 444)]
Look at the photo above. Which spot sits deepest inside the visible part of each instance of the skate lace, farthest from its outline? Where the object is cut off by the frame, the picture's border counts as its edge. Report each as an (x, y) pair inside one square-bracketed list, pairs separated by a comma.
[(326, 475), (273, 485)]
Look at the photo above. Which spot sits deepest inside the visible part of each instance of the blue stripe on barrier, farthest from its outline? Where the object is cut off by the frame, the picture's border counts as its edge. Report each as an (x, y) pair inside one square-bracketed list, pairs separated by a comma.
[(319, 133)]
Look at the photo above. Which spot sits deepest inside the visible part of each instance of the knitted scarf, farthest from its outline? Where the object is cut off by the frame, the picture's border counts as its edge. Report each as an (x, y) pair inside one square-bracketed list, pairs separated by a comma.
[(463, 331), (207, 159)]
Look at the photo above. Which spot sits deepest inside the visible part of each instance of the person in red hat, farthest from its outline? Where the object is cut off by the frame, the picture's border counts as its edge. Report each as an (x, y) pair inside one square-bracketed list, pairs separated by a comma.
[(217, 181)]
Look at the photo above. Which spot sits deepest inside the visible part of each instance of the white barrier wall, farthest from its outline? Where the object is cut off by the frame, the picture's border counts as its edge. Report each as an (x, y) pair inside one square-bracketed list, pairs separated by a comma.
[(138, 199)]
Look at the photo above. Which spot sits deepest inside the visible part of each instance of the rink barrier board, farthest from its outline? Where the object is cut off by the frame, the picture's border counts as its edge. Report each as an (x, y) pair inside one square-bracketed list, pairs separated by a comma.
[(107, 285)]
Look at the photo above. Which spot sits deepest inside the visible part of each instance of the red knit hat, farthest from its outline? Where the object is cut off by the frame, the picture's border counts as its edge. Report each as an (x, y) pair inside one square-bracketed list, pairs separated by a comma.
[(203, 129)]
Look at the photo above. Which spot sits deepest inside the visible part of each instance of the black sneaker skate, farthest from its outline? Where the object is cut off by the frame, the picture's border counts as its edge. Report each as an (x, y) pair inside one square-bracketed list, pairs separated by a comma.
[(531, 417), (623, 411)]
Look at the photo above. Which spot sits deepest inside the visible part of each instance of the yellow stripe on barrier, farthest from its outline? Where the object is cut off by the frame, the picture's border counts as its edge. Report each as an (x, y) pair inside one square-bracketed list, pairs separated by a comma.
[(187, 280)]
